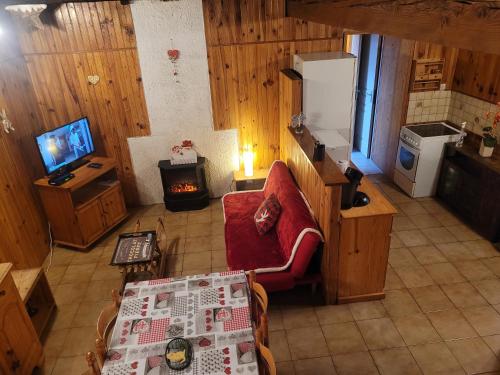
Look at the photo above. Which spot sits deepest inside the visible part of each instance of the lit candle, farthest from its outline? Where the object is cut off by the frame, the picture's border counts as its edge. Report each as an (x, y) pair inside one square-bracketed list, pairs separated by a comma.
[(248, 163)]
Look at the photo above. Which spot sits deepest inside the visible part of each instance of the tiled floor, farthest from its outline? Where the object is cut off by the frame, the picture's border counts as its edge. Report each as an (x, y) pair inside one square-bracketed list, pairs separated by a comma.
[(440, 314)]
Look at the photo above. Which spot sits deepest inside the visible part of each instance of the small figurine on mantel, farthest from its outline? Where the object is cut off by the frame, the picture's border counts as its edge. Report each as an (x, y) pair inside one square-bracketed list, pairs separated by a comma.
[(184, 154)]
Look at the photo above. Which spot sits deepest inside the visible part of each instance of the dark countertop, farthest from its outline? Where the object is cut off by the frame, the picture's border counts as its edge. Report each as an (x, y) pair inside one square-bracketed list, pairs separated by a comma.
[(471, 150)]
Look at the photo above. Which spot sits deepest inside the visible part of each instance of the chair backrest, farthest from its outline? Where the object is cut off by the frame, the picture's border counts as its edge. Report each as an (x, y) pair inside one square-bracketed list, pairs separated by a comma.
[(262, 331), (161, 245), (92, 363), (137, 226), (266, 360), (105, 324)]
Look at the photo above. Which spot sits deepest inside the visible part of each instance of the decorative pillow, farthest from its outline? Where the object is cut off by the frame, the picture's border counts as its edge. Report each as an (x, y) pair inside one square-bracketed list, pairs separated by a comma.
[(267, 214)]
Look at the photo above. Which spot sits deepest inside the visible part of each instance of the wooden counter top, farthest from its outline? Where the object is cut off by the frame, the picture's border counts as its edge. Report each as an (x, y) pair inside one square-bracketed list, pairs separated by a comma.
[(379, 205), (327, 169), (83, 174)]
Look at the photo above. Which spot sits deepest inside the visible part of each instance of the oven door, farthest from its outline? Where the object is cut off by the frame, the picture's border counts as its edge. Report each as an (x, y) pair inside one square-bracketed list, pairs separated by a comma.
[(407, 160)]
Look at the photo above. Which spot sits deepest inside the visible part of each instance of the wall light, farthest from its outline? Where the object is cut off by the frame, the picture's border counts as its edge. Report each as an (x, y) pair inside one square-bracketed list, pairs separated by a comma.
[(248, 162)]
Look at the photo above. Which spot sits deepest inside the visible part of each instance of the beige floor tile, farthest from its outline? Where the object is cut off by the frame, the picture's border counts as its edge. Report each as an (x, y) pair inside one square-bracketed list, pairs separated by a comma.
[(55, 275), (106, 272), (494, 343), (416, 329), (316, 366), (306, 343), (174, 263), (218, 243), (414, 277), (278, 344), (439, 235), (285, 368), (87, 314), (343, 338), (436, 359), (451, 325), (275, 318), (193, 261), (456, 252), (178, 218), (396, 243), (219, 259), (330, 314), (176, 231), (63, 316), (401, 223), (484, 319), (48, 365), (493, 264), (70, 365), (149, 222), (199, 217), (433, 207), (395, 361), (474, 270), (198, 244), (62, 256), (78, 342), (412, 208), (402, 257), (101, 291), (392, 280), (424, 221), (70, 293), (482, 248), (299, 317), (427, 254), (355, 364), (78, 273), (400, 303), (444, 273), (431, 298), (489, 289), (413, 238), (367, 310), (54, 342), (198, 230), (201, 271), (463, 295), (92, 256), (152, 210), (217, 228), (474, 355), (463, 233), (380, 334), (447, 219)]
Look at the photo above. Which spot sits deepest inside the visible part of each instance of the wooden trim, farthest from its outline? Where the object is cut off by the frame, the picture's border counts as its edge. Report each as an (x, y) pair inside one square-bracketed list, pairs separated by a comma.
[(472, 25), (361, 298)]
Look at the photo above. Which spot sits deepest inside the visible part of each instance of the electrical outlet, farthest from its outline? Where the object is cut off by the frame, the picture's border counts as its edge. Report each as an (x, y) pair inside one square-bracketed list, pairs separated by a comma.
[(442, 86)]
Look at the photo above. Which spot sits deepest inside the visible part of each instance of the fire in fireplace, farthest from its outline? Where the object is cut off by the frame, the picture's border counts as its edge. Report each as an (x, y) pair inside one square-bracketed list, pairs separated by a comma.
[(184, 185)]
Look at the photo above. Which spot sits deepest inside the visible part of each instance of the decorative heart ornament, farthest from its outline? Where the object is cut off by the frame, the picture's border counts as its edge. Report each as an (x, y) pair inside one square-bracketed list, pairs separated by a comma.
[(173, 54), (93, 80)]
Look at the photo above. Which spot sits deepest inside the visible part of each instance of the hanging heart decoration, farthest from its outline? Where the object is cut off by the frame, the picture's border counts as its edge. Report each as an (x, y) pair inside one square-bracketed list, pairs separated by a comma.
[(173, 54)]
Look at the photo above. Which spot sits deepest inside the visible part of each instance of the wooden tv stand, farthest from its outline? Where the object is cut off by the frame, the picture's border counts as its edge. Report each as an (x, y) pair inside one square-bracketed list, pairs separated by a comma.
[(84, 208)]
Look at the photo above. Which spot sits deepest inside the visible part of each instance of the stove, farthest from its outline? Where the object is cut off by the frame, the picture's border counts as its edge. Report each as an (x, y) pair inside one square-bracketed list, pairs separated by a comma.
[(419, 157)]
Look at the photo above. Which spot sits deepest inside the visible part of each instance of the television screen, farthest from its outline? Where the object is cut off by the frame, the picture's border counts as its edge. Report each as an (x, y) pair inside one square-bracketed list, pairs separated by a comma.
[(61, 146)]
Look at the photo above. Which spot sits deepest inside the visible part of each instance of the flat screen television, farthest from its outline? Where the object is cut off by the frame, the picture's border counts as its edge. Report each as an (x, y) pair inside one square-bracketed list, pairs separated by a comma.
[(61, 147)]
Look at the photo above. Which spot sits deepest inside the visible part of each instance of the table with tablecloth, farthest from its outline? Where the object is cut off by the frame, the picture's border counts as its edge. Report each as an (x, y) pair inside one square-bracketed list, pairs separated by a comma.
[(212, 311)]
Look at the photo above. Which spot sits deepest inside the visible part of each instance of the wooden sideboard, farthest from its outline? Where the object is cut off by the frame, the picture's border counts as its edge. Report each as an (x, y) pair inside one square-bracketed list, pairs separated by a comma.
[(20, 348), (84, 208)]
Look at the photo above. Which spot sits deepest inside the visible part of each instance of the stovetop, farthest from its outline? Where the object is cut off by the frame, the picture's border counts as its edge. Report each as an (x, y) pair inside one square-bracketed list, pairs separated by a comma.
[(432, 130)]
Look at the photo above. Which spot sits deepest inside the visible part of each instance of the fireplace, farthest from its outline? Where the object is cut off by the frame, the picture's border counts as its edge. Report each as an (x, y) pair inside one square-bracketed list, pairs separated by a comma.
[(184, 185)]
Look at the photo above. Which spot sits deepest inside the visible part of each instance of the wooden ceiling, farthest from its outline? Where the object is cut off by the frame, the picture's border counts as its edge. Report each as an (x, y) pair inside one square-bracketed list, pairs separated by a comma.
[(472, 25)]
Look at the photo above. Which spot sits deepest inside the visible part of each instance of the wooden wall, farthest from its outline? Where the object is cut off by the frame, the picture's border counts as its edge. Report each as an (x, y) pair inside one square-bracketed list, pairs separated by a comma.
[(478, 74), (24, 239), (424, 50), (248, 43), (87, 39)]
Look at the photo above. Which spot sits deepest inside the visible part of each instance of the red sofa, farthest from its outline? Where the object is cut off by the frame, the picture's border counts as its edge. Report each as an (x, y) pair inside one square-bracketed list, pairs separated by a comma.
[(281, 257)]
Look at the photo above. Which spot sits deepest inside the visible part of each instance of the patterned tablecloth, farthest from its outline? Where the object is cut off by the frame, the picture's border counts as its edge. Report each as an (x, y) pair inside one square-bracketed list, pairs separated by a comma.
[(211, 311)]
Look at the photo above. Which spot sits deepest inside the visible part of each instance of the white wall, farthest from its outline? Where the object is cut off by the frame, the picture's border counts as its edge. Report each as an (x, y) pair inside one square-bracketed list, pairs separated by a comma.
[(181, 110)]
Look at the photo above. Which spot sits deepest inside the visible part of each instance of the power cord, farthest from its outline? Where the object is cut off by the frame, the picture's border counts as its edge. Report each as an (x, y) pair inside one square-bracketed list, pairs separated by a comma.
[(51, 247)]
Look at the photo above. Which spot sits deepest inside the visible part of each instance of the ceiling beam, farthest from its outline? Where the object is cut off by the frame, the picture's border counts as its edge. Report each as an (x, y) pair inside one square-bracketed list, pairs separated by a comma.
[(468, 24)]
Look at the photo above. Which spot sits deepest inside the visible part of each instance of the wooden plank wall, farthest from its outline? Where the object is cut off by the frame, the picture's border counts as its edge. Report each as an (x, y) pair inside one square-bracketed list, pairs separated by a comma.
[(478, 74), (87, 39), (424, 50), (248, 44), (24, 239)]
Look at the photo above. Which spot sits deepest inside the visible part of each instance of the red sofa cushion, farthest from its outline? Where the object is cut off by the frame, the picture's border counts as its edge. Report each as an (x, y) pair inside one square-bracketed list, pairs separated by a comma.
[(245, 248), (267, 214)]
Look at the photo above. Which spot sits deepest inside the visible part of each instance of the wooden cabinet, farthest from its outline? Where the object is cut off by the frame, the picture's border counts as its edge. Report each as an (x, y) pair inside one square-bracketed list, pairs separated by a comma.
[(83, 209), (365, 237), (469, 185), (20, 348)]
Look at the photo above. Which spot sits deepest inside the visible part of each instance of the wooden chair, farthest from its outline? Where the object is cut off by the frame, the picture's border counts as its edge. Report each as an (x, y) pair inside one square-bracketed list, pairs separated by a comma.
[(161, 245), (267, 365), (94, 368), (262, 331), (105, 324)]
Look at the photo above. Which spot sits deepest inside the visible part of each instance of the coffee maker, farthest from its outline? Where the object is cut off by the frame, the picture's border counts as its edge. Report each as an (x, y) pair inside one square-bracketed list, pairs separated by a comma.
[(350, 196)]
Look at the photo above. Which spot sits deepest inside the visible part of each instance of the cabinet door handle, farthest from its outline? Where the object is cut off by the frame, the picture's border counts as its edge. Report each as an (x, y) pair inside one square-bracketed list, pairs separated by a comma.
[(2, 293)]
